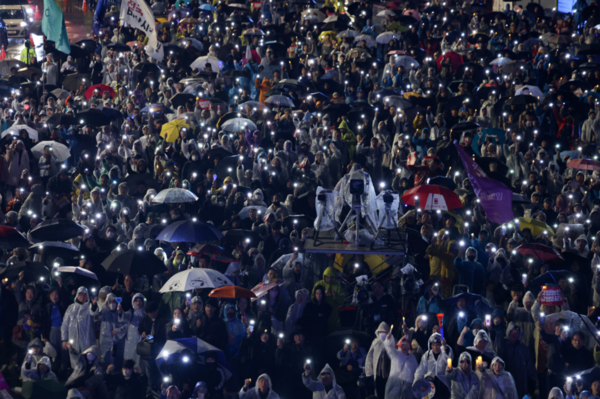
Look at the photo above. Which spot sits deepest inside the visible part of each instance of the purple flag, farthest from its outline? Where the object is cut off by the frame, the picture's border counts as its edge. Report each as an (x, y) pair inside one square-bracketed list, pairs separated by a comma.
[(495, 197)]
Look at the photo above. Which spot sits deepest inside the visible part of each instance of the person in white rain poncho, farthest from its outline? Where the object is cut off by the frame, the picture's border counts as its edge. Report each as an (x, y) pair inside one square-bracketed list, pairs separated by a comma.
[(89, 372), (495, 383), (377, 364), (325, 387), (262, 390), (113, 331), (42, 370), (404, 365), (77, 330), (435, 360), (464, 383), (133, 317)]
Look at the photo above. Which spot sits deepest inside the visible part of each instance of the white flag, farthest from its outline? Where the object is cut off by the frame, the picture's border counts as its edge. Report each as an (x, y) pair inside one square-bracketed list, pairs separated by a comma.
[(138, 15)]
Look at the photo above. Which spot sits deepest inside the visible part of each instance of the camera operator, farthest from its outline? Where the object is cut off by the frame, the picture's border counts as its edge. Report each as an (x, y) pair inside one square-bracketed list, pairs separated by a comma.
[(381, 309)]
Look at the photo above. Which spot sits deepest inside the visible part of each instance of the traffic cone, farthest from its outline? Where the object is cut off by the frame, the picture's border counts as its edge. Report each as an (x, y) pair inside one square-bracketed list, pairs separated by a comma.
[(38, 15), (84, 7), (2, 53)]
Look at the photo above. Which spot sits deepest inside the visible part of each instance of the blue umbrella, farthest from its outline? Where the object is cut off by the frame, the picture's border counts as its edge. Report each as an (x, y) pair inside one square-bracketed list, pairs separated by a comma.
[(551, 277), (444, 182), (195, 345), (112, 113), (476, 303), (190, 231), (330, 74), (207, 7)]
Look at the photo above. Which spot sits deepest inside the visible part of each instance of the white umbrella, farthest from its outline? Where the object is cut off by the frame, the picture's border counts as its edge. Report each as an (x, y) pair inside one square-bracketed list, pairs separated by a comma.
[(280, 100), (15, 129), (406, 61), (500, 61), (348, 33), (254, 106), (283, 260), (6, 64), (201, 62), (313, 12), (368, 39), (244, 212), (238, 124), (61, 94), (385, 37), (195, 43), (60, 151), (191, 279), (174, 196), (530, 90), (385, 13), (196, 346), (55, 244), (313, 19), (77, 270)]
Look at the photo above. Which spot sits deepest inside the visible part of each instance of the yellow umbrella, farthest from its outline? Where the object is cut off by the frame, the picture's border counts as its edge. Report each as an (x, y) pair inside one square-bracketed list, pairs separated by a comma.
[(161, 20), (331, 33), (170, 131), (537, 227), (376, 262)]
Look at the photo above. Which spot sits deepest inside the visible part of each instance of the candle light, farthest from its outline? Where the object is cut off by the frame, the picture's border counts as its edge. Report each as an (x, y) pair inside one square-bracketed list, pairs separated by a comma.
[(449, 363)]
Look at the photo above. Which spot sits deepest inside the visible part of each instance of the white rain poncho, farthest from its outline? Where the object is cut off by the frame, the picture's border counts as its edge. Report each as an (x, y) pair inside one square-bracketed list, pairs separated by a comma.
[(432, 367), (318, 389), (463, 385), (33, 373), (325, 218), (492, 386), (112, 321), (376, 351), (392, 221), (402, 372), (78, 326), (369, 206), (133, 318), (92, 370), (253, 393)]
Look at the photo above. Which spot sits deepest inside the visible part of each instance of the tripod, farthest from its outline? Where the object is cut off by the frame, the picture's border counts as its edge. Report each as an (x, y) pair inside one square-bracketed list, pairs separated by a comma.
[(322, 214), (387, 217), (356, 210)]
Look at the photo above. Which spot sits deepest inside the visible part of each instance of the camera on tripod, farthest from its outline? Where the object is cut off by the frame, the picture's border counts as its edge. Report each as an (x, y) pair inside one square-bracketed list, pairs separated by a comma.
[(322, 197), (357, 186), (388, 198)]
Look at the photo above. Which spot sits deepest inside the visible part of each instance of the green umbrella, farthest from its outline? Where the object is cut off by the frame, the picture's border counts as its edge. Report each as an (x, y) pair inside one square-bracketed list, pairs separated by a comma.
[(46, 388), (400, 27)]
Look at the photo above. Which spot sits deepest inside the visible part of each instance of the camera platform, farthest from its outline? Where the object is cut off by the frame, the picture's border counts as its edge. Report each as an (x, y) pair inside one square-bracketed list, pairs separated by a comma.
[(327, 244)]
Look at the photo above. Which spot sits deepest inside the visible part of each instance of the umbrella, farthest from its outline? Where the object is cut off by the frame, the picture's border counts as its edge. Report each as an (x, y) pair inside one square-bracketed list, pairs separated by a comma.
[(7, 64), (253, 32), (238, 235), (406, 61), (15, 129), (244, 213), (170, 131), (398, 102), (189, 231), (215, 252), (29, 72), (201, 62), (520, 199), (12, 238), (261, 289), (238, 125), (231, 292), (196, 346), (280, 100), (366, 38), (93, 116), (385, 13), (348, 33), (313, 12), (207, 7), (174, 196), (540, 252), (443, 181), (119, 47), (454, 58), (500, 61), (228, 164), (537, 227), (559, 40), (57, 248), (134, 262), (74, 80), (254, 105), (101, 89), (142, 69), (548, 278), (61, 94), (191, 279), (585, 164), (530, 90), (432, 198), (56, 230), (523, 99), (512, 66), (475, 302), (181, 99), (34, 271), (60, 119), (386, 37), (589, 49), (82, 277)]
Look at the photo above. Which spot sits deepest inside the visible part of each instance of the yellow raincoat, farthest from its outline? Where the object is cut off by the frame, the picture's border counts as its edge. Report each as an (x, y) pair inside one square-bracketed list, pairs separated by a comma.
[(441, 263), (349, 137), (335, 298)]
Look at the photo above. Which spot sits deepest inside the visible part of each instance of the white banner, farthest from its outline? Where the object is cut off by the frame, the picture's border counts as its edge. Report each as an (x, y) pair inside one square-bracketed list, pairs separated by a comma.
[(138, 15)]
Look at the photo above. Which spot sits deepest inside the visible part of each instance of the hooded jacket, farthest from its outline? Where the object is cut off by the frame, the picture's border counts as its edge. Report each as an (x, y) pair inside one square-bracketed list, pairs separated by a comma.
[(336, 299), (442, 261), (431, 366), (487, 351), (376, 351), (33, 373), (402, 372), (78, 324), (496, 386), (318, 389), (471, 274), (522, 318), (254, 393), (463, 385)]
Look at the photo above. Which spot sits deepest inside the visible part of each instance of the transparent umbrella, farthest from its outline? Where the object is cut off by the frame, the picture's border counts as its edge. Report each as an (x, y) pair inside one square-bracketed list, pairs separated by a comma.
[(174, 196)]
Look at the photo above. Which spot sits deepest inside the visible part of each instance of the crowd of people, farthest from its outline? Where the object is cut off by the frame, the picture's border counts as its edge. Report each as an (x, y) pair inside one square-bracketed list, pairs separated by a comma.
[(126, 173)]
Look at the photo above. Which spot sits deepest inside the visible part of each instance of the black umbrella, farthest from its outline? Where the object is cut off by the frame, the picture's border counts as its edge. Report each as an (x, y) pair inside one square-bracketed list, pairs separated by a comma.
[(190, 231), (93, 117), (478, 38), (225, 51), (87, 43), (134, 262), (33, 271), (74, 80), (119, 47), (228, 166), (56, 230), (133, 180), (297, 221), (60, 119), (181, 99), (142, 70), (522, 99), (111, 113), (561, 96), (535, 286), (57, 248), (483, 93), (453, 86), (235, 236), (236, 73), (12, 238), (462, 126), (208, 160)]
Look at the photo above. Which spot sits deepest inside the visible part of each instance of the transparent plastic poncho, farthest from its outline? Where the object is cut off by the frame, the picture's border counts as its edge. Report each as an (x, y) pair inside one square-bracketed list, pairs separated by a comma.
[(325, 218), (392, 221), (367, 199)]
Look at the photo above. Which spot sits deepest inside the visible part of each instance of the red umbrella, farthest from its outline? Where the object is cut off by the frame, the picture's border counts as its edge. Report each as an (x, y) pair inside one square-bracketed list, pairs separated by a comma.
[(586, 164), (231, 291), (432, 198), (12, 238), (101, 89), (545, 253), (214, 251), (455, 58)]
